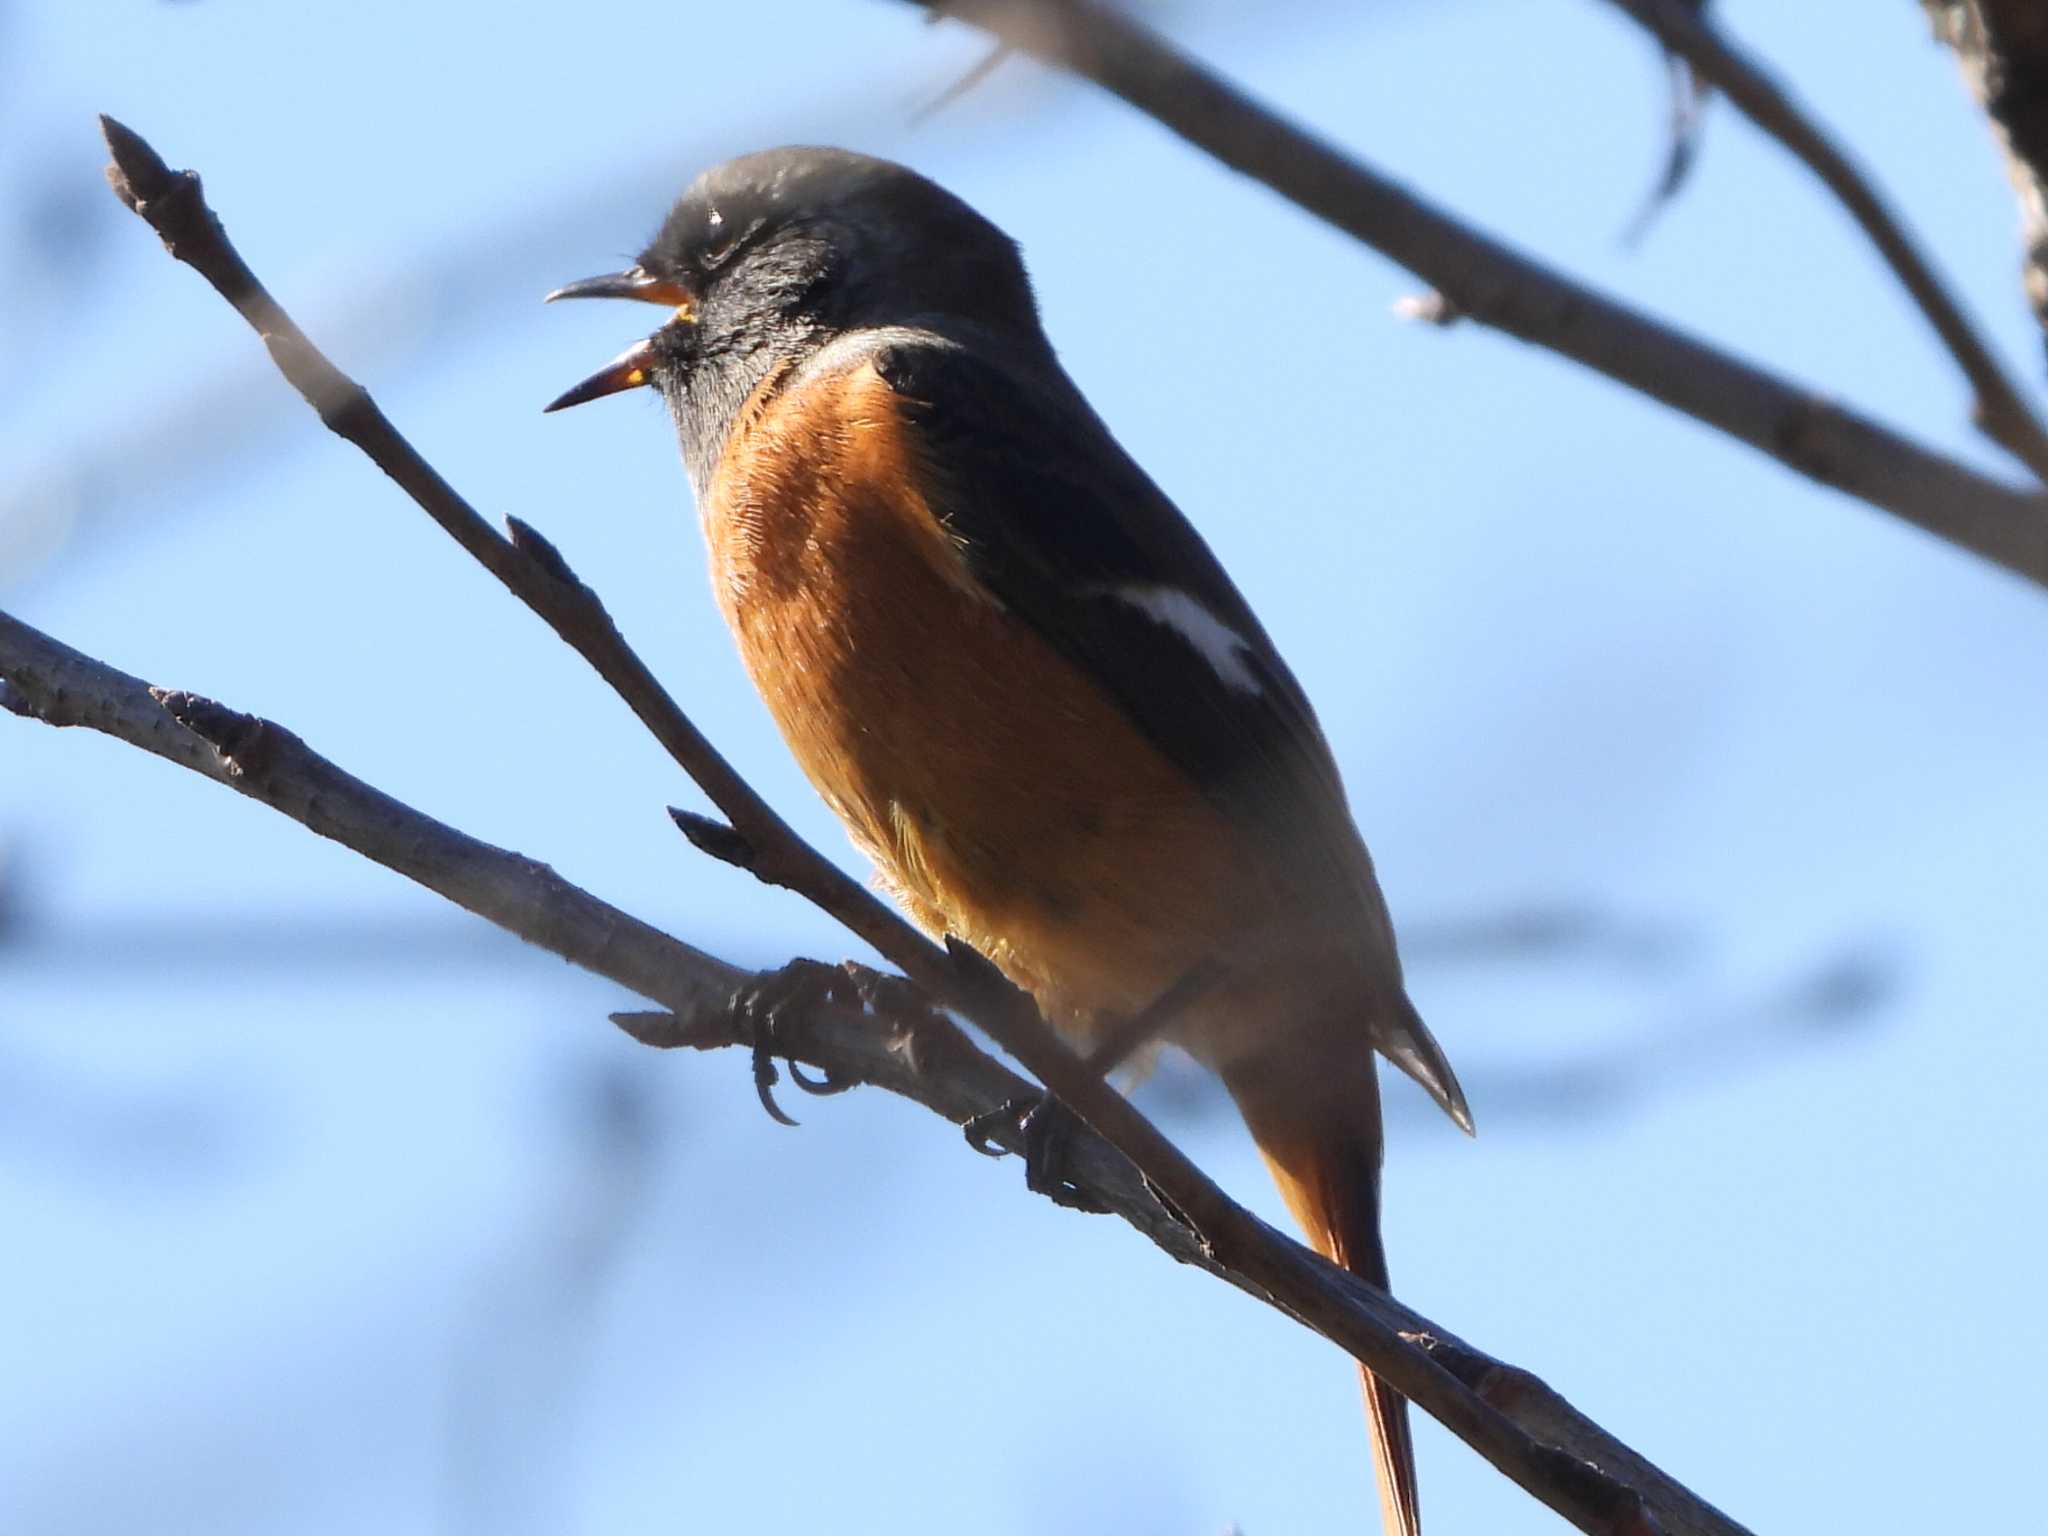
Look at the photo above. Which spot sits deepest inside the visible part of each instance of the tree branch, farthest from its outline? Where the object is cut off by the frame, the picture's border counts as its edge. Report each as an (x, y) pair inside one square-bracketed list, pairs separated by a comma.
[(916, 1052), (1687, 32), (50, 682), (2003, 48), (1365, 1322), (1487, 281)]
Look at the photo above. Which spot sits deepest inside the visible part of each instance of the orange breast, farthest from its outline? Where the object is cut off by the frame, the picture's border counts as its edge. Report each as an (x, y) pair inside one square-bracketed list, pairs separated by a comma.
[(1003, 797)]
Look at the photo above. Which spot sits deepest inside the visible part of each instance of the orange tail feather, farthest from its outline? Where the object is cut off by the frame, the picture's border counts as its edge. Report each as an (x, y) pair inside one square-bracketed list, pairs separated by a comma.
[(1320, 1134)]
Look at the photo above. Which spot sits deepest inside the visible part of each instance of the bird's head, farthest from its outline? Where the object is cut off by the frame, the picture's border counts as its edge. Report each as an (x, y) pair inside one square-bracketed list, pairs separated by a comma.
[(772, 255)]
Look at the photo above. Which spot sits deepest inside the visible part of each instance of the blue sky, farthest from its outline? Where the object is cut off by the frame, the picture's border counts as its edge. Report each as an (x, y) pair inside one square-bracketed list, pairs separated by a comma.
[(330, 1211)]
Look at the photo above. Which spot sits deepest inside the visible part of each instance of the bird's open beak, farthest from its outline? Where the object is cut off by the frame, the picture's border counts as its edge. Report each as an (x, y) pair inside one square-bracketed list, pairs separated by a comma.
[(629, 370), (632, 368)]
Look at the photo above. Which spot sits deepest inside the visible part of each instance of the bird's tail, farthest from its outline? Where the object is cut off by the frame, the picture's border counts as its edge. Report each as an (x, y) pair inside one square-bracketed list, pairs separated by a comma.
[(1319, 1131)]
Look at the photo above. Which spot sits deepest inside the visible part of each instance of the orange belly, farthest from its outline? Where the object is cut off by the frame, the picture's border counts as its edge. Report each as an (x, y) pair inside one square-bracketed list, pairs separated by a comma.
[(1003, 796)]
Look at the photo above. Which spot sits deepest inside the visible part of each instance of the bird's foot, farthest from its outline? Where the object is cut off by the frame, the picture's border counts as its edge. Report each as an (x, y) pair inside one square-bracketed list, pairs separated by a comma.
[(766, 1003), (1044, 1131)]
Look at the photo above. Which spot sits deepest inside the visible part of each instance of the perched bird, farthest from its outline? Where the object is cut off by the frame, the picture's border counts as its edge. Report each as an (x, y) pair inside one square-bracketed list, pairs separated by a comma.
[(1013, 669)]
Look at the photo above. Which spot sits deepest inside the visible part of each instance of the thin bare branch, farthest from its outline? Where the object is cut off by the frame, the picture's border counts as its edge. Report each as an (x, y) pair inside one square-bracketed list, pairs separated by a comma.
[(2002, 411), (54, 684), (1483, 280), (1365, 1322), (1685, 117), (977, 74)]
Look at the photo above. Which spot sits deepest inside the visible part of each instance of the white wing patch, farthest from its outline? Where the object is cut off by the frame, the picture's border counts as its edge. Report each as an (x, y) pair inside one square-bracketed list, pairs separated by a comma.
[(1221, 646)]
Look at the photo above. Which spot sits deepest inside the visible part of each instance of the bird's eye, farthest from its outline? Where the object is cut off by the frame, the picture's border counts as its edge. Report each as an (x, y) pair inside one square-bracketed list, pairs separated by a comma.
[(718, 240)]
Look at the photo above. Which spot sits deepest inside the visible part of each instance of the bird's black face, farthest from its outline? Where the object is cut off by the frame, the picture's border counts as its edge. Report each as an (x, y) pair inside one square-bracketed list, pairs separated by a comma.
[(772, 255)]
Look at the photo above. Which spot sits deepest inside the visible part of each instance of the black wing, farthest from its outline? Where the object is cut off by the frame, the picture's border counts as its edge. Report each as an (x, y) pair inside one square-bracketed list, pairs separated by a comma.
[(1059, 524), (1071, 536)]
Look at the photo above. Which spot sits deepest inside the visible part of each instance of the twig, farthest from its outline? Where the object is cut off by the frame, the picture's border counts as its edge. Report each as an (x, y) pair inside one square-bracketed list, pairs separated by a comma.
[(2002, 413), (918, 1054), (1684, 119), (59, 686), (977, 74), (1363, 1321), (1486, 281)]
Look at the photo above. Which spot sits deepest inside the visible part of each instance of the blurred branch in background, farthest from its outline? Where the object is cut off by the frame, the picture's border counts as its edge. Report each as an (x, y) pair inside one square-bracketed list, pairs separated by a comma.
[(1688, 1029), (1481, 279), (154, 1135), (1684, 30), (2003, 48), (1510, 1416), (536, 1307), (1693, 1044)]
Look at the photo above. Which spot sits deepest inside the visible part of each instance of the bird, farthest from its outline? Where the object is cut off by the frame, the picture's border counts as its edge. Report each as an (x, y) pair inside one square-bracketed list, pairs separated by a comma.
[(1015, 672)]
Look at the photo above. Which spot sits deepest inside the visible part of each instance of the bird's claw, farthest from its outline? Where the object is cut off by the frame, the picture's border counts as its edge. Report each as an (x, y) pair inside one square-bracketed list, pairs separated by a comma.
[(824, 1084), (762, 1005), (1008, 1115), (1044, 1129)]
